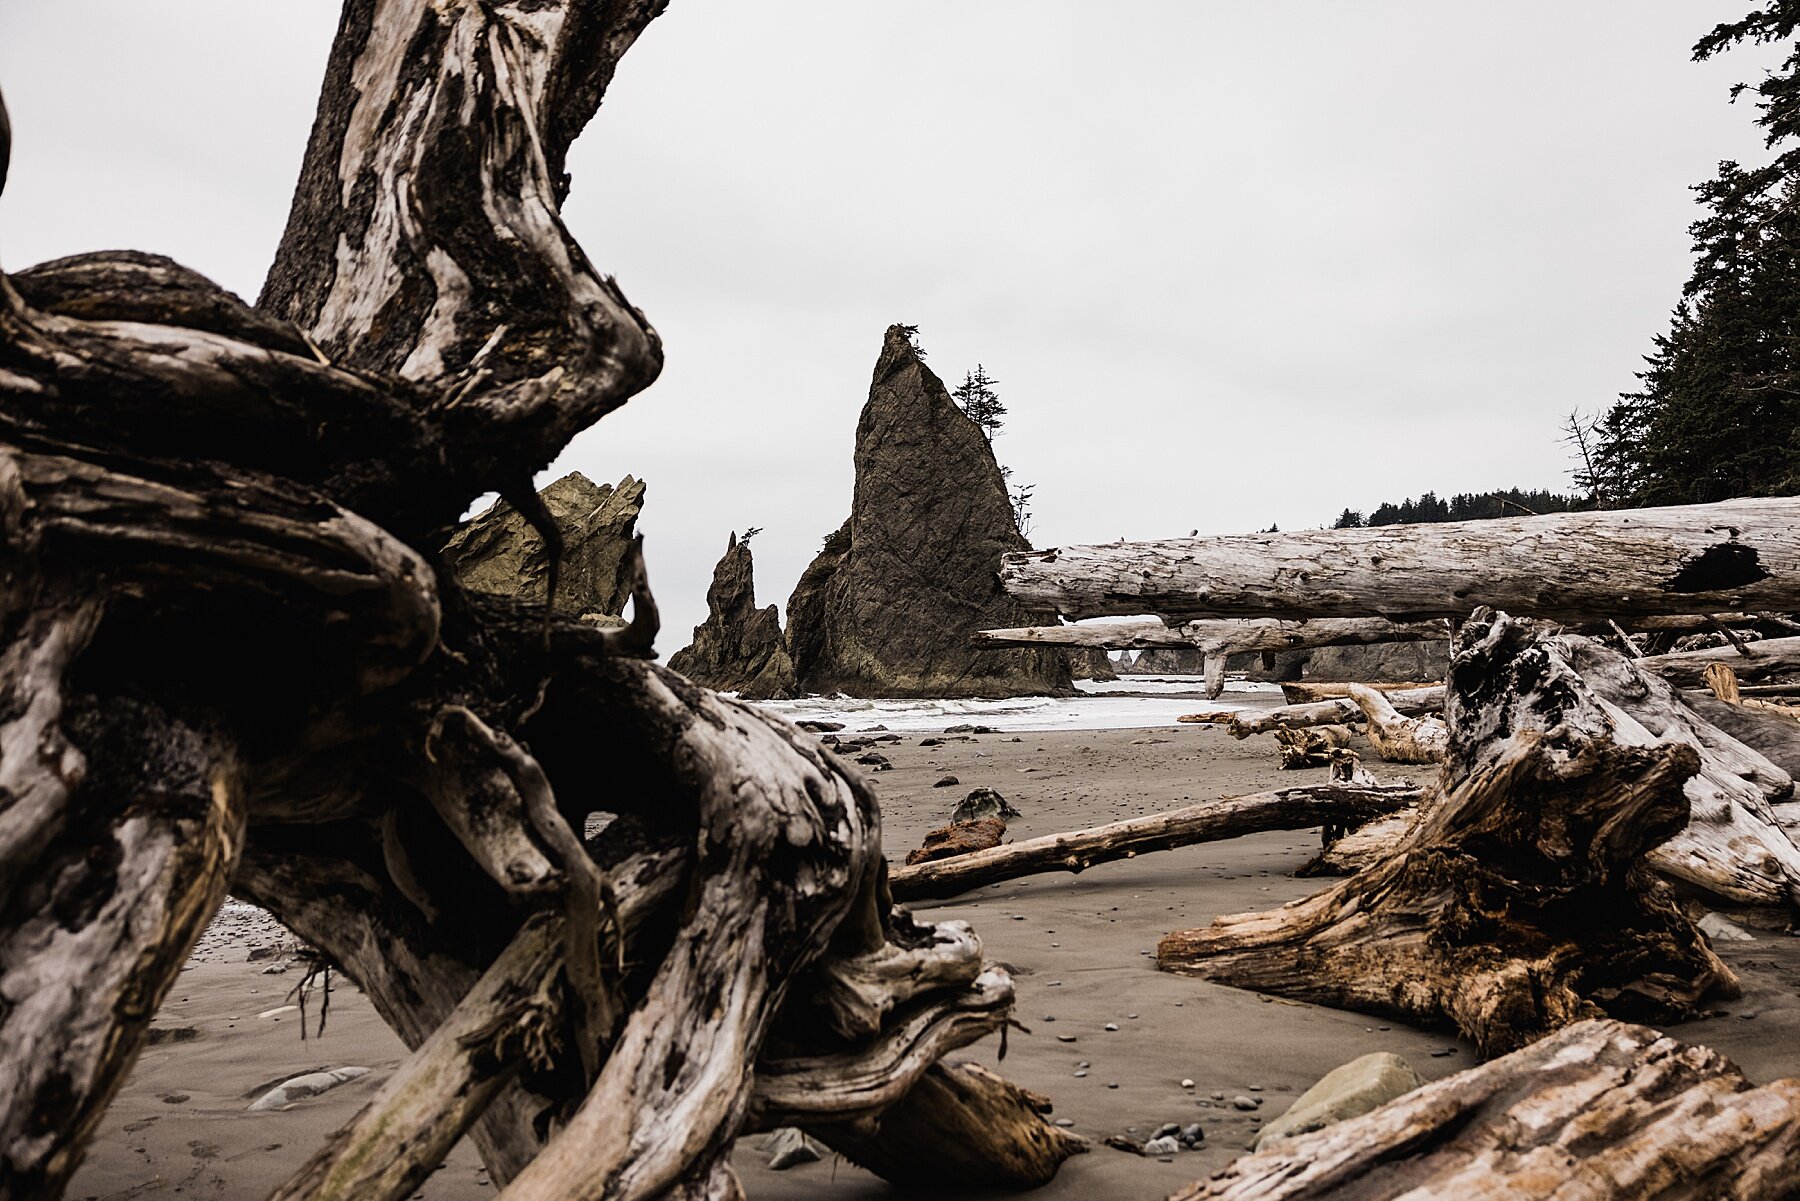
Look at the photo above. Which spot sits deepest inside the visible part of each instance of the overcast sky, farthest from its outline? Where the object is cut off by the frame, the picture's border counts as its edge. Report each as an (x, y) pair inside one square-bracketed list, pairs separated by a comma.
[(1232, 263)]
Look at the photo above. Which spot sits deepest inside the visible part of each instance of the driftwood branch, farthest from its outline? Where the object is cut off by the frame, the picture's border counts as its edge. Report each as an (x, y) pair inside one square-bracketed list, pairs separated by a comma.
[(1212, 821)]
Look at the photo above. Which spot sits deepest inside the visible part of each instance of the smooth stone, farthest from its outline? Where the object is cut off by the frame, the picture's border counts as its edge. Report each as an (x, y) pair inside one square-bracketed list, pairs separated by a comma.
[(1244, 1103), (1348, 1091), (789, 1147), (1720, 928), (299, 1088), (1161, 1146)]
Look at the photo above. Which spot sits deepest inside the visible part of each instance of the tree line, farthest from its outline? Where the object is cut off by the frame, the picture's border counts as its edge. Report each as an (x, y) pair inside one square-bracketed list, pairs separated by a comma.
[(1716, 413), (1464, 506)]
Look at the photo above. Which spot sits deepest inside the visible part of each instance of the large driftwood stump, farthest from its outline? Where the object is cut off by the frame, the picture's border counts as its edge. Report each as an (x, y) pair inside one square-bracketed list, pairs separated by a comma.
[(1600, 1111), (1521, 902), (233, 657)]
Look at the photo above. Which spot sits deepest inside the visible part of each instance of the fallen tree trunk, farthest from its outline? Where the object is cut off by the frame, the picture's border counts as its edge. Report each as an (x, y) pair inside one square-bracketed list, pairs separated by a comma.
[(1758, 661), (1301, 692), (1520, 902), (1400, 739), (1212, 821), (1576, 567), (1224, 637), (1413, 701), (1597, 1112)]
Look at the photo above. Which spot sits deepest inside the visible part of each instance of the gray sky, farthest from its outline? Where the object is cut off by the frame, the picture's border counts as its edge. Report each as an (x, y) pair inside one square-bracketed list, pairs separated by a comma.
[(1231, 263)]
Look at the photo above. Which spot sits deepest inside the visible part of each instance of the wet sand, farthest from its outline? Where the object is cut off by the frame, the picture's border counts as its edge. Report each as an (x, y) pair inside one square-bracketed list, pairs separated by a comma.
[(1079, 947)]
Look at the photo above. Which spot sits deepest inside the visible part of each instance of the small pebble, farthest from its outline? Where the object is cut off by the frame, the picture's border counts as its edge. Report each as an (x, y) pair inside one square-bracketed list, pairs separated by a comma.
[(1187, 1084), (1065, 1122), (1065, 1038), (1110, 1026), (1080, 1073), (1245, 1103)]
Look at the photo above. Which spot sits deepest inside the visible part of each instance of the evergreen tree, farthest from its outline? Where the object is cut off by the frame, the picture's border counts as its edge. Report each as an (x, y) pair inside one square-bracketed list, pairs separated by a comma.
[(1349, 519), (976, 397), (1718, 412)]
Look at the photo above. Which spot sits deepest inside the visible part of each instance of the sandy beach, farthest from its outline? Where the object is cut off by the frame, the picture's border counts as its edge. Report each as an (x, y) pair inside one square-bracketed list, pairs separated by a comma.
[(1079, 947)]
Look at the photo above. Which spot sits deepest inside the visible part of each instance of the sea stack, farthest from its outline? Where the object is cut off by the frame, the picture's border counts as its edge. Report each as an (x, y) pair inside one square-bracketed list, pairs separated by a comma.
[(498, 552), (738, 648), (889, 606)]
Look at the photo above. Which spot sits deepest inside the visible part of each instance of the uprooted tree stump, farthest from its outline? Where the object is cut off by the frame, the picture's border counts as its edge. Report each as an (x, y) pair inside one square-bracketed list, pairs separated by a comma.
[(1599, 1111), (233, 658), (1520, 902)]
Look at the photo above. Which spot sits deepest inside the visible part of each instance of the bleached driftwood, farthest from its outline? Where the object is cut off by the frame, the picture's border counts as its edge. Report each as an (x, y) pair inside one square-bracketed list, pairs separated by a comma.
[(1209, 821), (1599, 1111), (1736, 555), (1766, 659), (1305, 692), (1733, 847), (1226, 636), (1399, 739), (1723, 683), (1411, 701), (1520, 902), (1218, 640)]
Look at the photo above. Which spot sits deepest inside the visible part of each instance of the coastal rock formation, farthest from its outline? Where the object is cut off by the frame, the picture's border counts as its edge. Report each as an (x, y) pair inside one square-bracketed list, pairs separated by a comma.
[(889, 606), (1170, 661), (1378, 663), (1375, 663), (498, 552), (738, 648), (1091, 663)]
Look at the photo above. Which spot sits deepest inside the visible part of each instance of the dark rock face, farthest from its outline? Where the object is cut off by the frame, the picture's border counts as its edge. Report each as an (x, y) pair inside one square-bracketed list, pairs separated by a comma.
[(889, 605), (738, 648), (498, 552), (1380, 663), (1170, 661), (1091, 663)]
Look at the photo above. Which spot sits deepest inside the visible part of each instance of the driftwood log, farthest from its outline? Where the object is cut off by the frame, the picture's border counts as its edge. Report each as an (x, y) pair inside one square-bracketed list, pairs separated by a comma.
[(1520, 902), (1410, 701), (1765, 660), (1396, 738), (1599, 1111), (233, 658), (1210, 821), (1218, 640), (1577, 567)]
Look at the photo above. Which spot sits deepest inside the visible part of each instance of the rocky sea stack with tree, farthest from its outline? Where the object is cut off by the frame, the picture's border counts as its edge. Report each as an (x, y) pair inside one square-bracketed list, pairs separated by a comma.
[(739, 647), (890, 605)]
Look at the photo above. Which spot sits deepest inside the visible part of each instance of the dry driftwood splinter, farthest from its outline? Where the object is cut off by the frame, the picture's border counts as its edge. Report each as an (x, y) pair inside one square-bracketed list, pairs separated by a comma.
[(1575, 567), (233, 657), (1520, 902), (1209, 821), (1597, 1112)]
